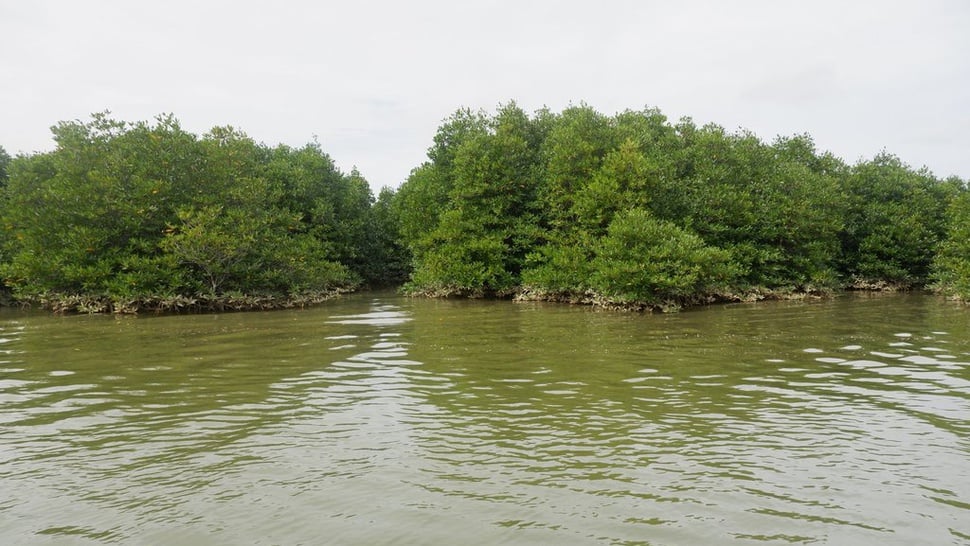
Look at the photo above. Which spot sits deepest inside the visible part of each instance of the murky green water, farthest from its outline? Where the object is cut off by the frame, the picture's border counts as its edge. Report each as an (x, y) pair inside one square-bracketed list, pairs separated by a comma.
[(382, 420)]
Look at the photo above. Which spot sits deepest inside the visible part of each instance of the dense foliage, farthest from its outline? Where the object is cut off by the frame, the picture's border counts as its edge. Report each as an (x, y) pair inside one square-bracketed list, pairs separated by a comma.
[(122, 216), (633, 210), (629, 210), (952, 262), (4, 161)]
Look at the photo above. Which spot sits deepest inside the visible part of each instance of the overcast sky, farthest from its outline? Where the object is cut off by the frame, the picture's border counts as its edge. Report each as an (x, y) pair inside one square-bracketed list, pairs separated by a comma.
[(372, 80)]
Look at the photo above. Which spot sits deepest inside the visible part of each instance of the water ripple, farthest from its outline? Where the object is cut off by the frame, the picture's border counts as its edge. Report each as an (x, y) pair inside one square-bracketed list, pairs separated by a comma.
[(399, 421)]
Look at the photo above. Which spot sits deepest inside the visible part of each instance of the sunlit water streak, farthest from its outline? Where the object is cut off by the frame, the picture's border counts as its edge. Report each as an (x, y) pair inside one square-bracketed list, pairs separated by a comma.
[(382, 420)]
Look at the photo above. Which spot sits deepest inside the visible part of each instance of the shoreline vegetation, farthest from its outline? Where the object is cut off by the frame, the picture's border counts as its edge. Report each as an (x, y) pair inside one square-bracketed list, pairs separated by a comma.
[(590, 298), (629, 211), (105, 304), (633, 211)]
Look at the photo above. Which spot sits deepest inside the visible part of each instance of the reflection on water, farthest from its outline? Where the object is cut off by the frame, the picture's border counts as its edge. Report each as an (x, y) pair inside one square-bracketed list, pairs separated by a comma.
[(382, 420)]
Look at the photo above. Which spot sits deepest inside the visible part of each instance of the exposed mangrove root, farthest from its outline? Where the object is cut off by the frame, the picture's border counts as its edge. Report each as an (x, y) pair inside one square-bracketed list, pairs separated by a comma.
[(667, 305), (93, 304)]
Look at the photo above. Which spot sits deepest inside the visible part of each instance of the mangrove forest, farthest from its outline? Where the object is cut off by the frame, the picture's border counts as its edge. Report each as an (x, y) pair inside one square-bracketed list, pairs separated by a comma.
[(629, 210)]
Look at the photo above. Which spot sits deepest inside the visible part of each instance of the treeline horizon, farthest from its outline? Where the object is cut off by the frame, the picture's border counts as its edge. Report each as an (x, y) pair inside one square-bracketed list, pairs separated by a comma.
[(628, 210)]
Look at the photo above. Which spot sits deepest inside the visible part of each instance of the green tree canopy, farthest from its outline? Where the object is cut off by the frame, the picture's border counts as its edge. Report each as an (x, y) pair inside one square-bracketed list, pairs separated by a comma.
[(952, 264), (894, 222), (4, 162), (568, 204), (643, 260), (630, 209), (143, 211)]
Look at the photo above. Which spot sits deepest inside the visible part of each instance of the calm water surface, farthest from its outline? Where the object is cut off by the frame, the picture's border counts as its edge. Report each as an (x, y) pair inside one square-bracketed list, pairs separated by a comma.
[(376, 419)]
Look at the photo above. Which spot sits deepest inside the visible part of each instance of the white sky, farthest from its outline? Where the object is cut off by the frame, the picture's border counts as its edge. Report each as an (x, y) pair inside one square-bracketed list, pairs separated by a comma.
[(372, 80)]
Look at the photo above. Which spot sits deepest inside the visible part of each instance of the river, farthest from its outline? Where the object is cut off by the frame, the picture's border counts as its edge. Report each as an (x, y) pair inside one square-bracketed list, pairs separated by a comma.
[(377, 419)]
